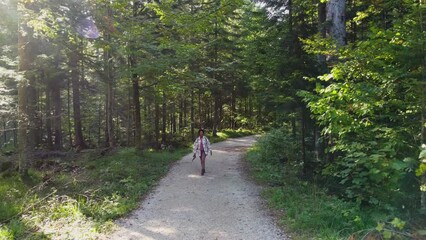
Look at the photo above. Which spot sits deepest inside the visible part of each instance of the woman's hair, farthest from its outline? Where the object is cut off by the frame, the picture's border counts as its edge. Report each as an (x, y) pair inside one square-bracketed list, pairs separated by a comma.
[(201, 130)]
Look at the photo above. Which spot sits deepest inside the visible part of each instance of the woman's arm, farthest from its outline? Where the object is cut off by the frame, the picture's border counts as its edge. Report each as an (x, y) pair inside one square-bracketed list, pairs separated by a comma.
[(209, 146), (195, 148)]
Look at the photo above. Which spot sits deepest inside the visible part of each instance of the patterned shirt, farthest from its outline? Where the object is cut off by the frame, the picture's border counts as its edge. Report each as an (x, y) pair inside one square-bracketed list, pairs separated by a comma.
[(201, 144)]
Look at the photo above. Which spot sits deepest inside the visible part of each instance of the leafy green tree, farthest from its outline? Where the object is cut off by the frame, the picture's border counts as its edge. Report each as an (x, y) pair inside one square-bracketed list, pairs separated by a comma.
[(366, 102)]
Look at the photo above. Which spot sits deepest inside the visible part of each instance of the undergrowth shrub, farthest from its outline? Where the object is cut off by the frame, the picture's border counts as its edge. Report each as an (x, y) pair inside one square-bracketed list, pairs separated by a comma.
[(304, 207), (278, 146)]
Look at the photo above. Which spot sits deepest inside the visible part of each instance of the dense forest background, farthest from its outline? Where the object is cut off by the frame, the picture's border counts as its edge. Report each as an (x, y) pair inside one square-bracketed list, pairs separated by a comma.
[(345, 79)]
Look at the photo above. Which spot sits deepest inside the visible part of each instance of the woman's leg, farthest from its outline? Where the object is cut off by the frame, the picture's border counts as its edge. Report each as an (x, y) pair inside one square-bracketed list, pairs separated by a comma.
[(203, 162)]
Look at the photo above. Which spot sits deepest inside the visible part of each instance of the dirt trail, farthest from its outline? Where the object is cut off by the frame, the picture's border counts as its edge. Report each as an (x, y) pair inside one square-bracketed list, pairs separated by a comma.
[(222, 204)]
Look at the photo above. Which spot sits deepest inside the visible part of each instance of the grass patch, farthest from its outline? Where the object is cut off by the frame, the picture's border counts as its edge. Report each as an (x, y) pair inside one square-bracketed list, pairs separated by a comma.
[(82, 199), (229, 133), (90, 195)]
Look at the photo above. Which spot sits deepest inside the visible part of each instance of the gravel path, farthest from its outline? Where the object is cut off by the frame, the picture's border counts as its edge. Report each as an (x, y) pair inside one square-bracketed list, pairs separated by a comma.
[(222, 204)]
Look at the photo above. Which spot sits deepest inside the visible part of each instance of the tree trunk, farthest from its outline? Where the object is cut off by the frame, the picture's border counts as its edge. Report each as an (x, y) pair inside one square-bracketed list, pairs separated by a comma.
[(4, 132), (109, 108), (135, 86), (293, 126), (48, 113), (136, 104), (216, 116), (137, 108), (192, 115), (233, 110), (307, 165), (184, 110), (24, 150), (163, 137), (99, 124), (75, 80), (26, 98), (57, 116), (157, 122), (35, 104), (423, 120), (200, 118), (335, 18), (15, 133), (69, 113), (129, 117), (173, 118), (322, 30), (180, 114), (109, 113), (319, 148)]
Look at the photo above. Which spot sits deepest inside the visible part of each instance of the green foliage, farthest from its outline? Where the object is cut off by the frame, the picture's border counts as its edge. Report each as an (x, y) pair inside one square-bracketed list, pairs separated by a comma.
[(14, 230), (304, 207), (422, 165), (395, 229), (370, 106), (13, 194), (272, 150)]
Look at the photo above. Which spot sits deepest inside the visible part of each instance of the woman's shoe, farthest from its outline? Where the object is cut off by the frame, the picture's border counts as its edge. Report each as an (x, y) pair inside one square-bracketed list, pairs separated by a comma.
[(203, 171)]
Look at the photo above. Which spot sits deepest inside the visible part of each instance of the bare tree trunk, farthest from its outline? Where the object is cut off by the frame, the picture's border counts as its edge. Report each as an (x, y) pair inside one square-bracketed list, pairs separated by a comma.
[(185, 108), (48, 113), (5, 132), (199, 109), (319, 148), (75, 79), (308, 167), (110, 136), (136, 94), (157, 122), (233, 110), (322, 29), (109, 108), (137, 108), (36, 107), (26, 98), (69, 113), (163, 137), (181, 111), (24, 151), (129, 118), (99, 124), (57, 116), (216, 110), (293, 126), (335, 17), (192, 115), (136, 105), (109, 78), (15, 132), (423, 121), (173, 118)]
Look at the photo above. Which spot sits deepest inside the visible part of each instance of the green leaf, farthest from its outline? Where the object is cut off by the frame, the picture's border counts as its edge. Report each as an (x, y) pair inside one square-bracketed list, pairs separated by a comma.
[(387, 234), (398, 223), (380, 227), (398, 165)]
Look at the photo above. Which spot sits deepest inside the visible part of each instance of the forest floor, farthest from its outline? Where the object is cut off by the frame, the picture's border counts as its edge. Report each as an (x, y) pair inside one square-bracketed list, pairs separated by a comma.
[(222, 204)]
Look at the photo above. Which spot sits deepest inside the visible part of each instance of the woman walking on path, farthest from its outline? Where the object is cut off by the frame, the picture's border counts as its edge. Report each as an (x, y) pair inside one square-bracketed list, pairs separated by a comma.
[(202, 146)]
